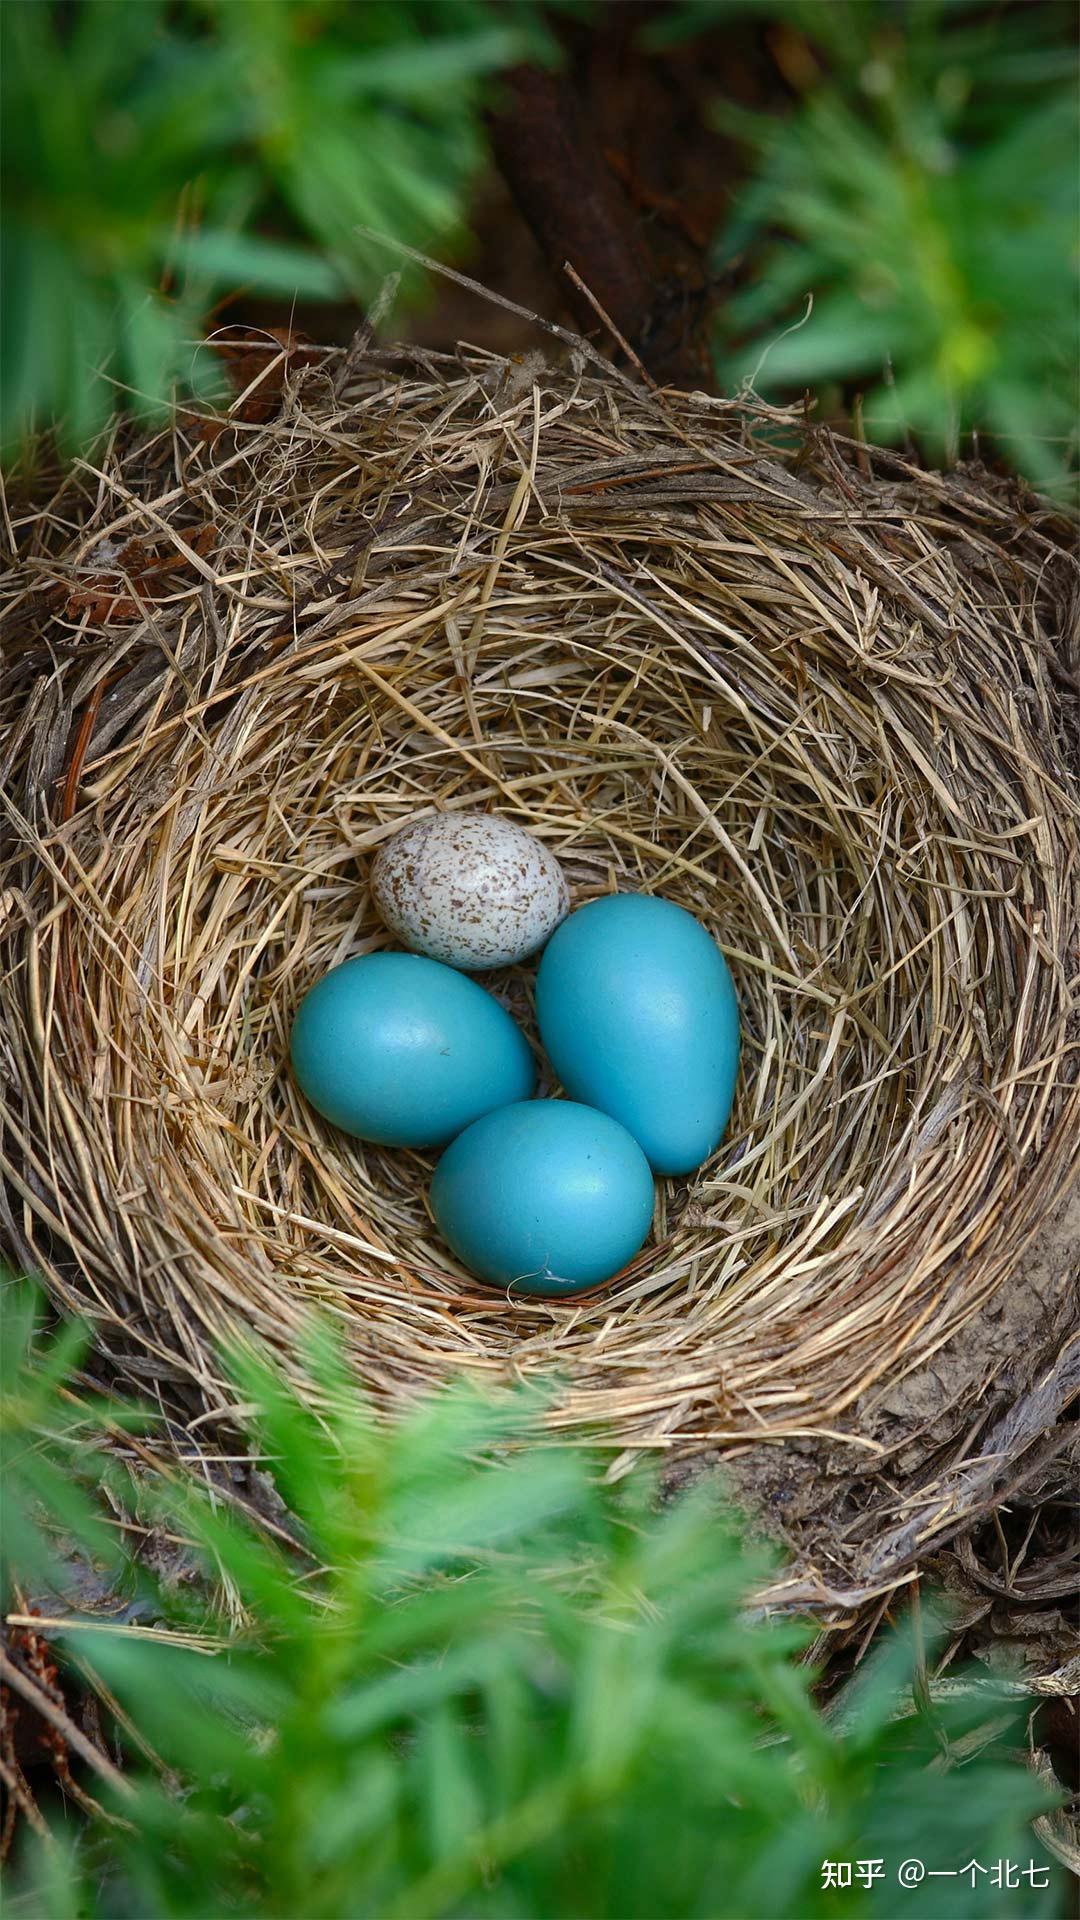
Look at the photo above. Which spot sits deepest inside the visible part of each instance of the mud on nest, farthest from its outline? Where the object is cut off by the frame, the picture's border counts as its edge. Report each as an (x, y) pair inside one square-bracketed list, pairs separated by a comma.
[(820, 698)]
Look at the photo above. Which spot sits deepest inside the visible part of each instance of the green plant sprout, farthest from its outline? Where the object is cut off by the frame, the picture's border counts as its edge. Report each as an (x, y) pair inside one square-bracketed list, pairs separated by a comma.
[(913, 228), (155, 155), (462, 1675)]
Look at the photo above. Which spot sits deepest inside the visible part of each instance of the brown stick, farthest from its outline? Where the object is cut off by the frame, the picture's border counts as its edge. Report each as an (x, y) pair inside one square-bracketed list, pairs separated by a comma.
[(75, 1737), (581, 216), (20, 1800), (574, 276)]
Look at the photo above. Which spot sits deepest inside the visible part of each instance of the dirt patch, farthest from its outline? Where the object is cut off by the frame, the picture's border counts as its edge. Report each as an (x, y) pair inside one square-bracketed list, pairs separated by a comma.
[(825, 1501)]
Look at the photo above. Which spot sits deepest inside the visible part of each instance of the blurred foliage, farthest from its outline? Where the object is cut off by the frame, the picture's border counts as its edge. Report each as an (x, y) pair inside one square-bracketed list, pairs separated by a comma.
[(924, 192), (40, 1433), (156, 153), (480, 1682)]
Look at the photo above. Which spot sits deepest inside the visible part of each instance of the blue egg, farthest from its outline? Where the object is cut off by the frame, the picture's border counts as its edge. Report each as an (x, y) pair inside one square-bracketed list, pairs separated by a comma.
[(638, 1014), (546, 1196), (405, 1052)]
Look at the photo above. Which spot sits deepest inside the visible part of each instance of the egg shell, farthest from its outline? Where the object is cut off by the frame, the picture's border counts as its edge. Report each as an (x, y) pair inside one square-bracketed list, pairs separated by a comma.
[(471, 889), (401, 1051), (547, 1197), (637, 1012)]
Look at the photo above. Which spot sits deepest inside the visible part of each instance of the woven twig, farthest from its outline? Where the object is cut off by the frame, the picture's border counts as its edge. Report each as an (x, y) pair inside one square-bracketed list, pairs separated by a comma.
[(820, 698)]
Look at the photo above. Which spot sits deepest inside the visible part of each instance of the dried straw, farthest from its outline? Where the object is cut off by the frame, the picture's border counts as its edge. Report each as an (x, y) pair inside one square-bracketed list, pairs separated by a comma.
[(815, 695)]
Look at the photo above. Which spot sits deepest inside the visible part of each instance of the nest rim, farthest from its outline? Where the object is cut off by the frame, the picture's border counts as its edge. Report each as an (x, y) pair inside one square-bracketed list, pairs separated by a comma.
[(803, 689)]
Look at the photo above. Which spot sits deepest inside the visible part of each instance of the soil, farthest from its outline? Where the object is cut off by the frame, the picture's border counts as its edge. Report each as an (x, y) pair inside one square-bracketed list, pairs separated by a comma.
[(995, 1363)]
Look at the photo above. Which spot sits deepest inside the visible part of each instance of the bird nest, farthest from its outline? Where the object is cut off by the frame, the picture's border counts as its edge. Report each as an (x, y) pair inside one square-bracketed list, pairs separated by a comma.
[(818, 697)]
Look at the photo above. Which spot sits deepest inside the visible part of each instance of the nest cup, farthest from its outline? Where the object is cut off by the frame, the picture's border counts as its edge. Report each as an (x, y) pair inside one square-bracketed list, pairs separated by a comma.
[(820, 699)]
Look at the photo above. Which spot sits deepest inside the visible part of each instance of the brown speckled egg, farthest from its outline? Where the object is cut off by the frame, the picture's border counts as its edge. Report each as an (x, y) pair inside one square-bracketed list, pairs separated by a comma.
[(470, 889)]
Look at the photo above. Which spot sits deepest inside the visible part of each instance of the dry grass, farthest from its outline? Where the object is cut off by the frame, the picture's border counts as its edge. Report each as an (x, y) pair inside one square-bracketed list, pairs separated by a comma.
[(809, 692)]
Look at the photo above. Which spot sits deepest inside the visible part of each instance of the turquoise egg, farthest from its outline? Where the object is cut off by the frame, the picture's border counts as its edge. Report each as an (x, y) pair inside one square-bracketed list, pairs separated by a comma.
[(405, 1052), (638, 1014), (546, 1196)]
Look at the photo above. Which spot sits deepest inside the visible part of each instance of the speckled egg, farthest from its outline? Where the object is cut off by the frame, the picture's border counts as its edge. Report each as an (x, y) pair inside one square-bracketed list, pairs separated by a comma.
[(470, 889)]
